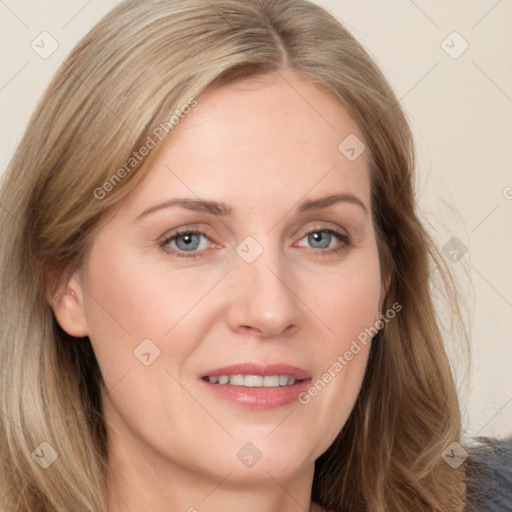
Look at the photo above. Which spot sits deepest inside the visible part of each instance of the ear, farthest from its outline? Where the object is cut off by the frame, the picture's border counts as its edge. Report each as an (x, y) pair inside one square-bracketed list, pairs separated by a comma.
[(68, 306), (386, 278), (384, 291)]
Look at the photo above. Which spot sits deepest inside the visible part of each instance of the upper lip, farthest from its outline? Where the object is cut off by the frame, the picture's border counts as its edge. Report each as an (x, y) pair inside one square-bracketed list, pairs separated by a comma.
[(259, 369)]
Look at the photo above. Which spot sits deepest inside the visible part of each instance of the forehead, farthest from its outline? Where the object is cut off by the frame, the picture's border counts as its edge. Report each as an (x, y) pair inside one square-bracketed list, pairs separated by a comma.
[(255, 139)]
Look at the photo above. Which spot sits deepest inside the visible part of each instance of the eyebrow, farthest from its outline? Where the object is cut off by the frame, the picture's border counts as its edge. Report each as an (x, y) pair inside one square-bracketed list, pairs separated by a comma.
[(196, 205), (223, 209), (324, 202)]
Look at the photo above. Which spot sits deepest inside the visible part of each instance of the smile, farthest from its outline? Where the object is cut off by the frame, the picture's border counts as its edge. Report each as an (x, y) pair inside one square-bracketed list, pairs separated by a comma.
[(253, 381)]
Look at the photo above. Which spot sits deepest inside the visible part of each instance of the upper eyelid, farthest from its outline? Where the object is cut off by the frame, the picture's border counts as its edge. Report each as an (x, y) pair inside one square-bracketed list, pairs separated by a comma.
[(324, 224), (183, 230), (322, 228), (338, 230), (340, 235)]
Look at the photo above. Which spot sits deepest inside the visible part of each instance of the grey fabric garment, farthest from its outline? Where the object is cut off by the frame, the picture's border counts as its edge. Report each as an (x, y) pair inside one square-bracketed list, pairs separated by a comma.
[(489, 476)]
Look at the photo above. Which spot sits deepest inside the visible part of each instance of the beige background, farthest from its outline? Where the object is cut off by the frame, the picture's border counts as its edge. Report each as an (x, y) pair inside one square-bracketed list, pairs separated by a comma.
[(460, 109)]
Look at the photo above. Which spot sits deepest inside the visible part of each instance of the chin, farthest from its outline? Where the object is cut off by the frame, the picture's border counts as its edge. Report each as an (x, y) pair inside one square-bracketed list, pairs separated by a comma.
[(280, 457)]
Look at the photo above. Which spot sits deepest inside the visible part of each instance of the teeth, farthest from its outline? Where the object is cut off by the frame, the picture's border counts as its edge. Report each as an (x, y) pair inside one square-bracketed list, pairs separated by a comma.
[(253, 381), (237, 380), (271, 381)]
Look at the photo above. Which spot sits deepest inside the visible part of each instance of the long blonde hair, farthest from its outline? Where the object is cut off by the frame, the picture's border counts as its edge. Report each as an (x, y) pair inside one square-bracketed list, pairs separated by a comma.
[(122, 82)]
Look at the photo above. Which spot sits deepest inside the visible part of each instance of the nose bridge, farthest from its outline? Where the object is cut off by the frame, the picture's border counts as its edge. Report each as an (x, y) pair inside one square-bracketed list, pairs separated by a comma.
[(264, 301)]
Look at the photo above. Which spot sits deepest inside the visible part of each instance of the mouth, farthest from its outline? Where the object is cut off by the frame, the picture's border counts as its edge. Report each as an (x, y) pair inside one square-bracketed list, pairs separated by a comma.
[(253, 381), (257, 386)]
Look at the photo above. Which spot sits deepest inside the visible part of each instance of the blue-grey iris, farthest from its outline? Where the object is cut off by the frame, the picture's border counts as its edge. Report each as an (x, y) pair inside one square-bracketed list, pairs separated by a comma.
[(190, 242), (321, 238)]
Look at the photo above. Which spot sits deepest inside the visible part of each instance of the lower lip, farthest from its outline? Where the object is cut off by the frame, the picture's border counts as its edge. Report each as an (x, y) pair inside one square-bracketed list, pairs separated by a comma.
[(259, 397)]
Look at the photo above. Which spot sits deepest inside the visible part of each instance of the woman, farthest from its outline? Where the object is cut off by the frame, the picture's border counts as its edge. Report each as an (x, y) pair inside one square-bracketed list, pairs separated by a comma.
[(216, 286)]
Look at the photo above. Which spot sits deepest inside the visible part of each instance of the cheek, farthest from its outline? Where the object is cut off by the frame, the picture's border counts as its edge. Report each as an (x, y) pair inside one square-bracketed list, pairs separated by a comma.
[(131, 300), (348, 302), (348, 305), (128, 297), (123, 309)]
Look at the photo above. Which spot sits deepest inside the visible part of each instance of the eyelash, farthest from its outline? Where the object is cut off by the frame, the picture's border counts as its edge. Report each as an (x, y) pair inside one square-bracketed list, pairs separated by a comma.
[(342, 237)]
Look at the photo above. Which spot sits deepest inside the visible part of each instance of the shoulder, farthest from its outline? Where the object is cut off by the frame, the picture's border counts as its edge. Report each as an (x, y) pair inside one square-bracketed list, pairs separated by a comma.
[(489, 475)]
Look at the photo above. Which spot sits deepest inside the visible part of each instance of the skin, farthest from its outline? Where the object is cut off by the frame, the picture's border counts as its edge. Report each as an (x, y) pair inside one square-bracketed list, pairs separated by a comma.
[(262, 146)]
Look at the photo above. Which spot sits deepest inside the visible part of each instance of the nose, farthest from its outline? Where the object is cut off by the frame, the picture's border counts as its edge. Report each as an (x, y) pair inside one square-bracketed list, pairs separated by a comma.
[(262, 300)]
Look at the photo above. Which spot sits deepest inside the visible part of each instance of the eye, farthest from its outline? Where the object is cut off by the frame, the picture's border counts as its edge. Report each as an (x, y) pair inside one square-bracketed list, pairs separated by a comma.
[(186, 242), (325, 240)]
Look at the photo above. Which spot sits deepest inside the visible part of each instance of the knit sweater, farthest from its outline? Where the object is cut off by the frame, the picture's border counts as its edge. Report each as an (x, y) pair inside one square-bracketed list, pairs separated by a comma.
[(489, 476)]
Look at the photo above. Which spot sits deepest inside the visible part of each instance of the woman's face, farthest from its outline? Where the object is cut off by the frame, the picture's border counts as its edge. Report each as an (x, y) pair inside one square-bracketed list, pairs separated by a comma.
[(249, 244)]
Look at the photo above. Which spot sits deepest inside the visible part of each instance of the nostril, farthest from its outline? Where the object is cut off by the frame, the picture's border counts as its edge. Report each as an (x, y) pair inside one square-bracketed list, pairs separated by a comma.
[(250, 330)]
